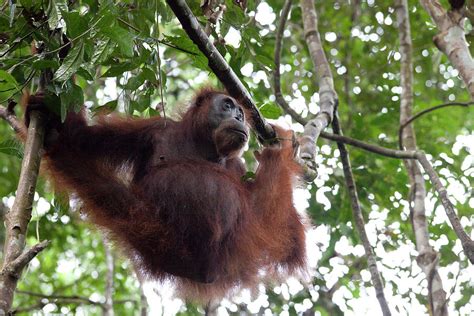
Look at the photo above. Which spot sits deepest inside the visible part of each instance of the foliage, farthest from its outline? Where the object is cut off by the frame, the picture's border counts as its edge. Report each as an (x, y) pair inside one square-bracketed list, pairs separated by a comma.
[(118, 55)]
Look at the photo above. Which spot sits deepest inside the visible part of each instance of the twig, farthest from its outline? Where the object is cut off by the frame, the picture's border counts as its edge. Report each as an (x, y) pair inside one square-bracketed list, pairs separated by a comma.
[(425, 111), (219, 66), (18, 41)]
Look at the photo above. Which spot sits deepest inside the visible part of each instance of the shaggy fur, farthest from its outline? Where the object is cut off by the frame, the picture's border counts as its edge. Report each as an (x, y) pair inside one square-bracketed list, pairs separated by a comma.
[(183, 214)]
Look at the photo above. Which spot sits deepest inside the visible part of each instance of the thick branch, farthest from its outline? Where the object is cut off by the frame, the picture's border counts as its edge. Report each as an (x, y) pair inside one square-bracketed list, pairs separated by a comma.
[(328, 101), (451, 40), (219, 66), (427, 257), (19, 216), (327, 94)]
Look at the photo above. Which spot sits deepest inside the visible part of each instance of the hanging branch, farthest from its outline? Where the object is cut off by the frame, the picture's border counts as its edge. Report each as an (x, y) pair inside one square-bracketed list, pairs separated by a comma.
[(451, 40), (360, 222), (328, 102), (427, 257), (219, 66), (466, 241), (276, 71)]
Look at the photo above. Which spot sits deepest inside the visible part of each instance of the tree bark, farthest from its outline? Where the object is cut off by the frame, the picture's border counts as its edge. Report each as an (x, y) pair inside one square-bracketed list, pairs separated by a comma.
[(427, 257), (17, 219), (328, 102), (109, 285), (219, 66), (451, 40), (327, 94)]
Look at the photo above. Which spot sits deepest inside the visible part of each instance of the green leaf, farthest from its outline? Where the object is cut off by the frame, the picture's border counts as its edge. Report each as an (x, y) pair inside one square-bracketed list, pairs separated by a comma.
[(85, 73), (109, 107), (122, 38), (102, 51), (71, 99), (271, 111), (12, 147), (55, 7), (249, 175), (71, 63), (75, 23), (8, 85), (117, 70), (45, 64)]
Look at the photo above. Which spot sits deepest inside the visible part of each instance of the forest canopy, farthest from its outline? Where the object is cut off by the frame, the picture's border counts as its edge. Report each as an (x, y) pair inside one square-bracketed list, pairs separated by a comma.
[(378, 92)]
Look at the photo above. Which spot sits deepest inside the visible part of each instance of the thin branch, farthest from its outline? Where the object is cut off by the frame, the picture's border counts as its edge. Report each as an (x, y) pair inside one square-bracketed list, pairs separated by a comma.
[(15, 267), (18, 41), (360, 222), (9, 116), (467, 243), (219, 66), (143, 301), (426, 111), (276, 71), (387, 152), (70, 298)]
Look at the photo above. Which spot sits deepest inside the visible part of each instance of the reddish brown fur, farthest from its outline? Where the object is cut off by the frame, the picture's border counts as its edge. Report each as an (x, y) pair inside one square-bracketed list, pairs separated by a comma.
[(183, 215)]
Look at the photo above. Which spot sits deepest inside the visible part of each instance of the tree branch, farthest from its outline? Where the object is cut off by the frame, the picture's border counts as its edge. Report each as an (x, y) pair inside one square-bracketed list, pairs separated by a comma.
[(109, 286), (360, 222), (327, 94), (451, 40), (15, 267), (328, 114), (219, 66), (427, 257), (18, 217), (467, 243), (409, 120), (8, 115), (280, 100)]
